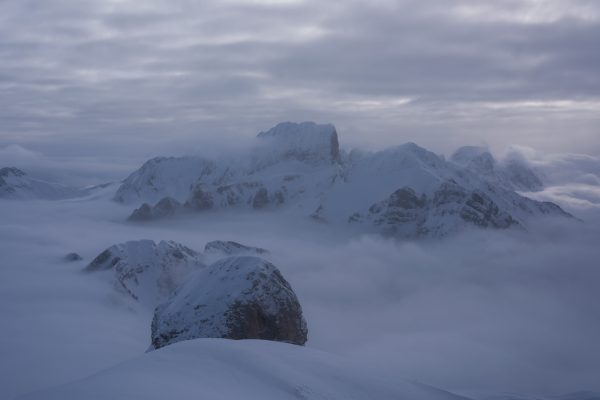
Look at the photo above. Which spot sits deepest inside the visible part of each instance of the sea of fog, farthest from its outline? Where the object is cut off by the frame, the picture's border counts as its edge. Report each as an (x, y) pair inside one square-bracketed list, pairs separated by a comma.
[(482, 312)]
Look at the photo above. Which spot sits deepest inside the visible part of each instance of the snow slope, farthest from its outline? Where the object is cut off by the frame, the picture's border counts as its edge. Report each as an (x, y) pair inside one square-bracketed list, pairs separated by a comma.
[(16, 184), (244, 369), (512, 172)]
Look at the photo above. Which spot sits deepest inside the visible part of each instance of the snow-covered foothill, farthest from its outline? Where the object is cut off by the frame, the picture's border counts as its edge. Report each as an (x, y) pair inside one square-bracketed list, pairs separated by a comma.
[(239, 297), (148, 272), (18, 185)]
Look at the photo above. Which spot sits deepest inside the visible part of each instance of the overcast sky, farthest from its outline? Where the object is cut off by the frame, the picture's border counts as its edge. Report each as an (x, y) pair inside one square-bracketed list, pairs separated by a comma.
[(125, 78)]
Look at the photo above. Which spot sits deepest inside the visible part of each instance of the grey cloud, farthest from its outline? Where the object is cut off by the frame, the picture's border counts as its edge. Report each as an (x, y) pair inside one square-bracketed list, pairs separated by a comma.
[(160, 74)]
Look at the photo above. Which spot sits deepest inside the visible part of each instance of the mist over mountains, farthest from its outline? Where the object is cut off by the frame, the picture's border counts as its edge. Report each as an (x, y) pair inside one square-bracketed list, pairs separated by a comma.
[(412, 265)]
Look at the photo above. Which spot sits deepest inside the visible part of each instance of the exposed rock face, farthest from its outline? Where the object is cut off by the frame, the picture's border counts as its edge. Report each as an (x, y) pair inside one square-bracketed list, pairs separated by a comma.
[(451, 207), (200, 200), (72, 257), (166, 207), (305, 141), (261, 199), (229, 248), (147, 271), (143, 213), (236, 298)]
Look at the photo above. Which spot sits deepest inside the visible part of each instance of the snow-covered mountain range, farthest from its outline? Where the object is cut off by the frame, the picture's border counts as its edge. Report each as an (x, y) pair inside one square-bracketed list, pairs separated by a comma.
[(406, 191)]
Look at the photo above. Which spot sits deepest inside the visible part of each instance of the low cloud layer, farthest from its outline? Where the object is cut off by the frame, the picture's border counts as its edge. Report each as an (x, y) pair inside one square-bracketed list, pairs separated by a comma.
[(130, 79), (484, 311)]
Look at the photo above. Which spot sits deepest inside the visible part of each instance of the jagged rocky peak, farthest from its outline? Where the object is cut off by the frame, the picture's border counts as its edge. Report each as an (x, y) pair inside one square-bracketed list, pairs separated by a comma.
[(235, 298), (230, 248), (305, 141), (147, 271)]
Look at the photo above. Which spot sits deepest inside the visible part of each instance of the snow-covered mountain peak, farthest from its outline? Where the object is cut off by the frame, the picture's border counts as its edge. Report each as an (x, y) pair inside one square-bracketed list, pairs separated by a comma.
[(478, 159), (512, 172), (305, 141), (465, 154)]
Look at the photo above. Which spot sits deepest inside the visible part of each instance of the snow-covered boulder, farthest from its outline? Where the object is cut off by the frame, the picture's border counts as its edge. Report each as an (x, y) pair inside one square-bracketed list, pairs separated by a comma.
[(236, 298), (229, 248), (147, 271)]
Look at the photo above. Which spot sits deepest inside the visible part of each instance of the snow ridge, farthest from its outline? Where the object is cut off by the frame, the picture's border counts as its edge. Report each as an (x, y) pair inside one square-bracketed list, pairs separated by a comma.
[(16, 184)]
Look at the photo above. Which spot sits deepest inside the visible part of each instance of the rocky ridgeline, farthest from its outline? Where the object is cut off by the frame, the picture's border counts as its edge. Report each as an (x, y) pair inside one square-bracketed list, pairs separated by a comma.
[(237, 297)]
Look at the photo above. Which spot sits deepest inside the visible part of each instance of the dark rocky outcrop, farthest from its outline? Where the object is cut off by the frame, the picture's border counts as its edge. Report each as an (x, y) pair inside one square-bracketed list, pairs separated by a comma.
[(236, 298), (72, 257), (451, 207), (261, 199), (200, 200), (230, 248), (166, 207)]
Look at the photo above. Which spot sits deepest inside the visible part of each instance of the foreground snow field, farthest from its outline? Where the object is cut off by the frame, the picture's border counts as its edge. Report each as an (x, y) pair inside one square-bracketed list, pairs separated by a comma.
[(246, 369)]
